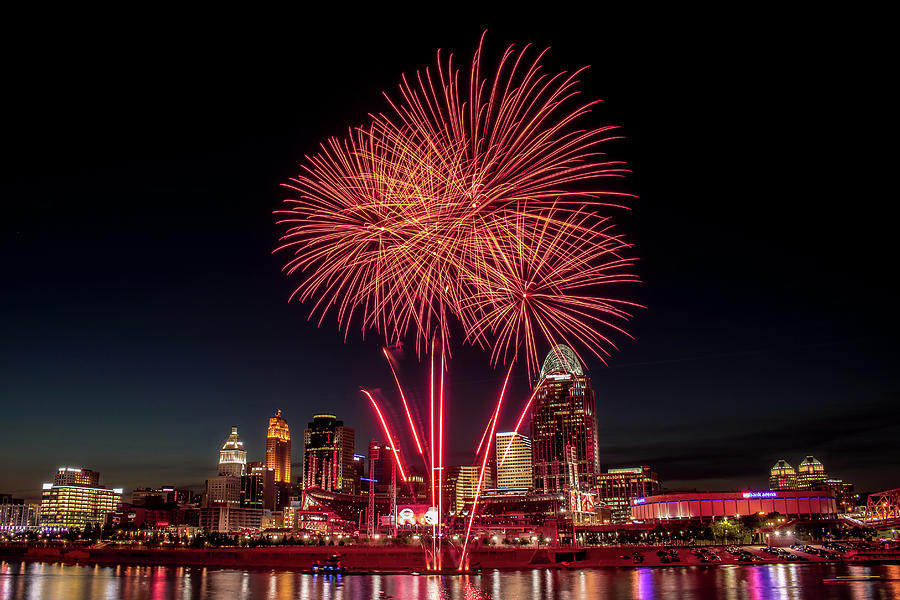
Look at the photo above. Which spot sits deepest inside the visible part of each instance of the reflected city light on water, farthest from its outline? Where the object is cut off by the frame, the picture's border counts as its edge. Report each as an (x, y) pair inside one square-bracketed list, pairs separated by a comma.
[(33, 581)]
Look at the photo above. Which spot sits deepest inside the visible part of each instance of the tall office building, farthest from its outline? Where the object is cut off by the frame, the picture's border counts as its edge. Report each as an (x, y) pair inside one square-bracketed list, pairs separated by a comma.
[(461, 485), (563, 426), (782, 476), (513, 471), (811, 474), (328, 455), (232, 456), (76, 499), (617, 487), (258, 488), (278, 448)]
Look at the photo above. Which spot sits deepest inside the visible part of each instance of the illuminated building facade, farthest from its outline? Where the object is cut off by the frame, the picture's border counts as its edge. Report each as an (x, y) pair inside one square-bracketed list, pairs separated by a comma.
[(73, 504), (617, 487), (811, 474), (515, 470), (462, 482), (278, 448), (226, 519), (782, 476), (232, 456), (70, 476), (328, 455), (844, 495), (707, 506), (18, 515), (563, 426)]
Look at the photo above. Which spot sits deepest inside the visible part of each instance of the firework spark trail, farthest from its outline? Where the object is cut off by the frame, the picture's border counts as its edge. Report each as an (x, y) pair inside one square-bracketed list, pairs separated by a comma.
[(387, 434), (409, 418), (431, 449), (484, 461), (483, 437)]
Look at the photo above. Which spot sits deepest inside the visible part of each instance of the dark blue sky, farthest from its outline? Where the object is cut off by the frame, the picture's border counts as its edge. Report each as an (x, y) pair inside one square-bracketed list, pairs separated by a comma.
[(141, 313)]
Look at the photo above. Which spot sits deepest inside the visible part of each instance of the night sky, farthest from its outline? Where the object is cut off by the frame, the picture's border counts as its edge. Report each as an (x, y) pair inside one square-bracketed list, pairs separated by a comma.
[(142, 313)]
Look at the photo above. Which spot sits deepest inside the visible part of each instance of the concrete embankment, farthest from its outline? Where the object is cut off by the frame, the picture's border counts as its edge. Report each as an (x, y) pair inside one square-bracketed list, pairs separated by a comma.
[(371, 559)]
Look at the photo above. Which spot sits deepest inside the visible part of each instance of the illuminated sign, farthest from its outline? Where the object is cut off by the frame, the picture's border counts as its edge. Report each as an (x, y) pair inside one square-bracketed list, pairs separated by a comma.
[(639, 500), (417, 514), (760, 494), (582, 501)]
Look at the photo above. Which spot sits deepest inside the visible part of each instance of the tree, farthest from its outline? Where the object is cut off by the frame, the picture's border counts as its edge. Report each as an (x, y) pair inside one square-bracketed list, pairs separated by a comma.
[(728, 528)]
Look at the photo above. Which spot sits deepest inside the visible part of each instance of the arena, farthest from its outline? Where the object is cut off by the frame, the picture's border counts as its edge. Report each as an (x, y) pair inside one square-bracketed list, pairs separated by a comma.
[(707, 506)]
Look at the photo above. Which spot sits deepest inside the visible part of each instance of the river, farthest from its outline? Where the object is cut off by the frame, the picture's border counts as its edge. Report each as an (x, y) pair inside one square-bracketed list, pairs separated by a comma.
[(54, 581)]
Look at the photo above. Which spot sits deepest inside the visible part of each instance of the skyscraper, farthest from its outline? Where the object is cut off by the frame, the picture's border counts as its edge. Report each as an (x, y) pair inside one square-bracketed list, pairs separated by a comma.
[(811, 474), (278, 448), (232, 456), (461, 485), (328, 455), (782, 476), (563, 426), (515, 470)]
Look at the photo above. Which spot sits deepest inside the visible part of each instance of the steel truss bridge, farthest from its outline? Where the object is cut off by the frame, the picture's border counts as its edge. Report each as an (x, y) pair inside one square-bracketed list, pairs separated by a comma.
[(883, 509)]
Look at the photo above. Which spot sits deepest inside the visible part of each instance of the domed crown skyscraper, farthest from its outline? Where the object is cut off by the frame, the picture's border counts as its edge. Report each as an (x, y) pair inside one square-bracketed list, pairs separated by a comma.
[(232, 456), (782, 476), (811, 474), (564, 445)]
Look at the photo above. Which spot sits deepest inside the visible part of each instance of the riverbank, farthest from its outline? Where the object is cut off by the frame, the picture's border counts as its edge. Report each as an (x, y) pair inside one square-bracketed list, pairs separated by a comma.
[(404, 559)]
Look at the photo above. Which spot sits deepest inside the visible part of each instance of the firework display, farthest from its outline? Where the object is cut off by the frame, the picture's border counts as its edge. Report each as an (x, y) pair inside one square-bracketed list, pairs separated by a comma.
[(474, 201), (473, 205)]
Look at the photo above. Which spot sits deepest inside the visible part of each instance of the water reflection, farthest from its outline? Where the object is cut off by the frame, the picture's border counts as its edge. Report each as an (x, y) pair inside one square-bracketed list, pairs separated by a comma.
[(35, 581)]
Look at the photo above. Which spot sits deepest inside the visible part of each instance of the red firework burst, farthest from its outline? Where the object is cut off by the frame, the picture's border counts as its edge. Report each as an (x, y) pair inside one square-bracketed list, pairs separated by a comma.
[(475, 201)]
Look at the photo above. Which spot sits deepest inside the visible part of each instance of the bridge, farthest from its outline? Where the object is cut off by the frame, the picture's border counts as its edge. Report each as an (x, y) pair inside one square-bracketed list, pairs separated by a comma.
[(883, 509)]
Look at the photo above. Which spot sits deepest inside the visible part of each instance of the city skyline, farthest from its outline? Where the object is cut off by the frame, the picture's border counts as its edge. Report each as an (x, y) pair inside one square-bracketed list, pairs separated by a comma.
[(764, 337), (553, 477)]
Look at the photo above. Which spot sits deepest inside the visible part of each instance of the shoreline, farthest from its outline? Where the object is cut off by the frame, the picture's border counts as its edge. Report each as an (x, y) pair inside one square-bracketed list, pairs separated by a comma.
[(364, 560)]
